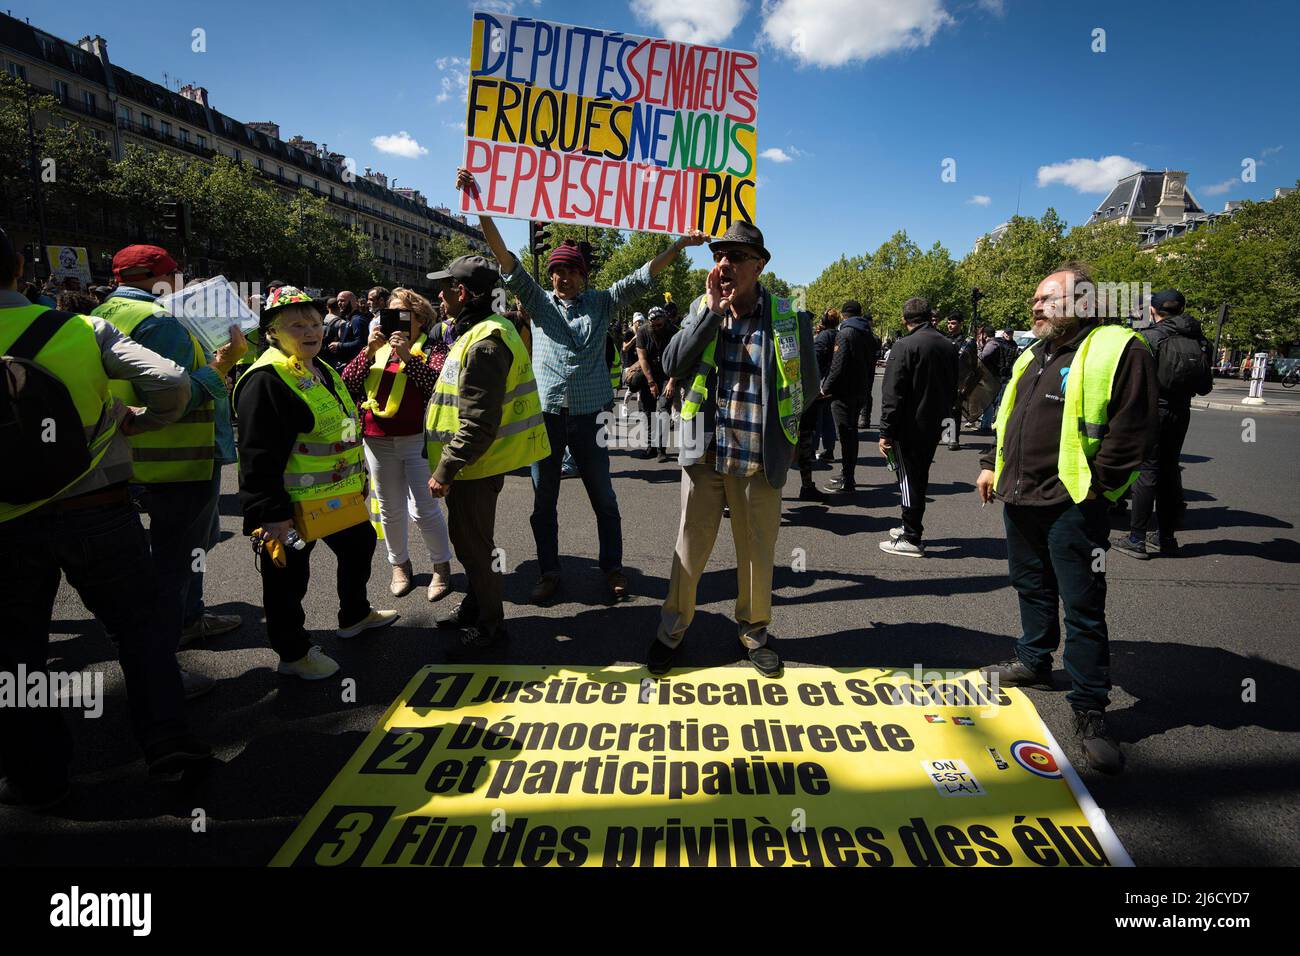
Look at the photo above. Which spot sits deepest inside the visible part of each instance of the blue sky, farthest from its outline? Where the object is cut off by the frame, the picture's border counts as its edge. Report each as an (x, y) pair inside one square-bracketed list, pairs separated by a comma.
[(865, 105)]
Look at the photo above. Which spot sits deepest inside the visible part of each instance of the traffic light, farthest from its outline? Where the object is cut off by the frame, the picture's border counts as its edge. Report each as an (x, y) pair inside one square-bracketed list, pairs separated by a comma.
[(537, 238), (176, 219)]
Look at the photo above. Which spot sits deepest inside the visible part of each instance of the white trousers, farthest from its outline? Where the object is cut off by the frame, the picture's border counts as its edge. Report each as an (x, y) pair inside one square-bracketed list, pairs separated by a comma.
[(401, 478)]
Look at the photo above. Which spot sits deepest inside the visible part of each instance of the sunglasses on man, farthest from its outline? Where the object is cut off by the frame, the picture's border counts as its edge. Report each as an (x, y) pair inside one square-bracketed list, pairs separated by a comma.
[(734, 256)]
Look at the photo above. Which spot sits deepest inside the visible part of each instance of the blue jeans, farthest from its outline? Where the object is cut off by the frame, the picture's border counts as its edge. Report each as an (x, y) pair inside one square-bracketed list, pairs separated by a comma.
[(990, 413), (579, 434), (1052, 553), (183, 518), (105, 555)]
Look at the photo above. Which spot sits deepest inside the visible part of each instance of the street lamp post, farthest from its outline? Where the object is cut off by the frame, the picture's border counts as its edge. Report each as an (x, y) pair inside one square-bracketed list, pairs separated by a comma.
[(37, 190)]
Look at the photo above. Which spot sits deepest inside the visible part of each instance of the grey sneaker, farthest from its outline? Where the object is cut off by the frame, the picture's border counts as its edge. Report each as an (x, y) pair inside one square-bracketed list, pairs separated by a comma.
[(902, 548), (896, 533)]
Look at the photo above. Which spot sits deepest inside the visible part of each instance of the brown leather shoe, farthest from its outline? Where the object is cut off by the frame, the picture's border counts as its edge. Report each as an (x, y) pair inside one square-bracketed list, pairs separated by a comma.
[(440, 586), (545, 588), (617, 584), (401, 579)]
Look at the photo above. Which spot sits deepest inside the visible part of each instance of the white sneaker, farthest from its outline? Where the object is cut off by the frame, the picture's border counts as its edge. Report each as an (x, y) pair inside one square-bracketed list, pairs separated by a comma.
[(371, 621), (896, 533), (317, 665), (903, 548)]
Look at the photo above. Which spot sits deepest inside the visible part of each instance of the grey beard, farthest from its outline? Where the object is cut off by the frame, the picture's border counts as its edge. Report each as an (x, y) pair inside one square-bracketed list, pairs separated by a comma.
[(1056, 328)]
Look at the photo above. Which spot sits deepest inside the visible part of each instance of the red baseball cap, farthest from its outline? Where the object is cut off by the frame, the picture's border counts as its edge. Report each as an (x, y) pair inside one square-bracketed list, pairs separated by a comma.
[(142, 262)]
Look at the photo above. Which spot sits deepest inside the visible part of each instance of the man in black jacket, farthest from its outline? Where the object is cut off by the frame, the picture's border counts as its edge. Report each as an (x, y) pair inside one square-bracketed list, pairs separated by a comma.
[(853, 363), (1058, 472), (1183, 367), (917, 396)]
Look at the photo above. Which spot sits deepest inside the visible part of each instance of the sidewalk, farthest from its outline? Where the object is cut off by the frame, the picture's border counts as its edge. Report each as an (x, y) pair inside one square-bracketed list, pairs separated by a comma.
[(1228, 393)]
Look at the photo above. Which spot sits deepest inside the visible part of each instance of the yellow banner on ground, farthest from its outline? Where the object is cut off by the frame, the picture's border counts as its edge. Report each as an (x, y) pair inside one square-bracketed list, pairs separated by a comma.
[(568, 766)]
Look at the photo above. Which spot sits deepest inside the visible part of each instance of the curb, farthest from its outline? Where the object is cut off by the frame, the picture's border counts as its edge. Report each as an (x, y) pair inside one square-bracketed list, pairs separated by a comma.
[(1288, 409)]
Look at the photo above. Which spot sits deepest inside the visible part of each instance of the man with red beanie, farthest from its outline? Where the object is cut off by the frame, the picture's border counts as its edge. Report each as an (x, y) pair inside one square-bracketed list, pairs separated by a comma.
[(570, 325)]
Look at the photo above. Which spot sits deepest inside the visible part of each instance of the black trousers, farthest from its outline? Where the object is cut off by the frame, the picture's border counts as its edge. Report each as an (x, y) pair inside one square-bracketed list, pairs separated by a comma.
[(1160, 482), (471, 522), (914, 459), (868, 402), (846, 414), (809, 432), (650, 405), (1053, 558), (283, 589), (104, 552)]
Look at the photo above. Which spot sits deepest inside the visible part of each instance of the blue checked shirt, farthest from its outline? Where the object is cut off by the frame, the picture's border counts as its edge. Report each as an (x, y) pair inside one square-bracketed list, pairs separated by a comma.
[(739, 432), (569, 339)]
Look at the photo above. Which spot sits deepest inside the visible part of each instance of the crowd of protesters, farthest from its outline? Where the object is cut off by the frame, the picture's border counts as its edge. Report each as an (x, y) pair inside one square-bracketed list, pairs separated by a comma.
[(357, 418)]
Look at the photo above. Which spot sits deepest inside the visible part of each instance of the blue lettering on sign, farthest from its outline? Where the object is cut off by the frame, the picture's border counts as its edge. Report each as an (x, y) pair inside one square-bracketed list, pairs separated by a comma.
[(1065, 376)]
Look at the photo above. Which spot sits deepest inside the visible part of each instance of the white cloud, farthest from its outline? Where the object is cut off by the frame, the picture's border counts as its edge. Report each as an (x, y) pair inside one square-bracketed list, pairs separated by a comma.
[(500, 6), (1218, 189), (691, 21), (1089, 175), (995, 7), (776, 154), (1270, 151), (400, 144), (455, 74), (979, 200), (836, 32)]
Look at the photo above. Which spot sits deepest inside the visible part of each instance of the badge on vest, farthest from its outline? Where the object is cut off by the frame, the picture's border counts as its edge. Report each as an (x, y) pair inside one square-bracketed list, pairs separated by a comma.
[(307, 383), (789, 346)]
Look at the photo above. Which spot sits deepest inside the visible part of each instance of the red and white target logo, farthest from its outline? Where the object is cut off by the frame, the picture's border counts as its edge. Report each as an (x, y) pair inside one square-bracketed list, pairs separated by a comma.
[(1035, 758)]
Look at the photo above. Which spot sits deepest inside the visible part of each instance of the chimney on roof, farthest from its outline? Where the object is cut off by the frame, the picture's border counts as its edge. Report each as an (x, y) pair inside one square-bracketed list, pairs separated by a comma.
[(96, 45), (199, 94), (267, 128)]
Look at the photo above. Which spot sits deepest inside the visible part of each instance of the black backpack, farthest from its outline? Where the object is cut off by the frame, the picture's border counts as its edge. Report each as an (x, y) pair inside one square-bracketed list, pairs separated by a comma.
[(40, 429), (1008, 352), (1183, 365)]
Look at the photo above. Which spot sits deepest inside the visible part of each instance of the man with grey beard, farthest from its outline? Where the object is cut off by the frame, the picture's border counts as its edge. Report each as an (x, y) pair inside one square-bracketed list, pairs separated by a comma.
[(1076, 422)]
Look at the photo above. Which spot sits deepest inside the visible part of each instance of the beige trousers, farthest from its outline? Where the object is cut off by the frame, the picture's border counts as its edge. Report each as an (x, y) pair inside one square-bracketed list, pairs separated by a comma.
[(755, 521)]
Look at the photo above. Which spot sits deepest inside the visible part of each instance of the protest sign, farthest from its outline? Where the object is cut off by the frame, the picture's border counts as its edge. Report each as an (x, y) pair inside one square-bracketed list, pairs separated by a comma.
[(208, 309), (69, 262), (545, 766), (601, 128)]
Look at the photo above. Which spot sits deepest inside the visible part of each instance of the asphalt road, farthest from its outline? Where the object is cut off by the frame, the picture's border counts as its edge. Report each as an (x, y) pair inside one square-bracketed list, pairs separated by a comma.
[(1211, 779)]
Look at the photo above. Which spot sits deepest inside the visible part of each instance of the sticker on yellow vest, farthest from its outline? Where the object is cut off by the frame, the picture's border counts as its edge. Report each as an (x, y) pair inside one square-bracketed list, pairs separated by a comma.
[(567, 766)]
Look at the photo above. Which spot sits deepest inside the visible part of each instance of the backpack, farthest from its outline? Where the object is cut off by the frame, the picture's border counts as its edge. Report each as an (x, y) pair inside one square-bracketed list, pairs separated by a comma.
[(1183, 365), (1008, 352), (35, 405)]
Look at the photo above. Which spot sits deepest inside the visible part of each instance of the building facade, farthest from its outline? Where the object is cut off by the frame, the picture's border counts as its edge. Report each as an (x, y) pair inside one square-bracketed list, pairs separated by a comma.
[(121, 108)]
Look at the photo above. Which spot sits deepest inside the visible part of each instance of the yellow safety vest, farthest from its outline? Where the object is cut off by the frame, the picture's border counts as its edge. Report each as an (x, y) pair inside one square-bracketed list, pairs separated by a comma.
[(326, 461), (521, 438), (1085, 417), (73, 357), (376, 373), (785, 354), (183, 450), (616, 370)]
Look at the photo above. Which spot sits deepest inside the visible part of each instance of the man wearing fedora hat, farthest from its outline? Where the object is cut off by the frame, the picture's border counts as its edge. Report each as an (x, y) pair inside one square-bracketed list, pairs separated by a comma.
[(752, 371)]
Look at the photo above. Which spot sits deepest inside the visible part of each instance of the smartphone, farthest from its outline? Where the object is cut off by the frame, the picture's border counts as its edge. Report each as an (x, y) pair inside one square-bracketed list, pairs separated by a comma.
[(394, 320)]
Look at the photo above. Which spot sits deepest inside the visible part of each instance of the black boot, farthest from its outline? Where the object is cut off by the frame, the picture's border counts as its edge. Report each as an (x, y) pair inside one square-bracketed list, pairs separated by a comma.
[(1099, 747)]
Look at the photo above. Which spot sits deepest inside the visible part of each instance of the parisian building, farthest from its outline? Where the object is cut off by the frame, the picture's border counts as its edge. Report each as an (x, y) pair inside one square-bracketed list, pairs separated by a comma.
[(120, 108)]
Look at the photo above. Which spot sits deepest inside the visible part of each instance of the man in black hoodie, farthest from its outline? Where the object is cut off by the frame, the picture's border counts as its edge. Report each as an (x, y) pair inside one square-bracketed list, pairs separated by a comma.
[(1183, 368), (853, 364), (916, 397), (1074, 426)]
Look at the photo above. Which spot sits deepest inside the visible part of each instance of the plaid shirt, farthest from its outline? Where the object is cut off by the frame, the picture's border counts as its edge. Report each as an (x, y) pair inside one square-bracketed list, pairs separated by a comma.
[(569, 339), (739, 432)]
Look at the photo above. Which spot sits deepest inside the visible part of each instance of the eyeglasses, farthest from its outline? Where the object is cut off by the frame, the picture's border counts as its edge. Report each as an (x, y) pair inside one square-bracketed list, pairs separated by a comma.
[(736, 258)]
